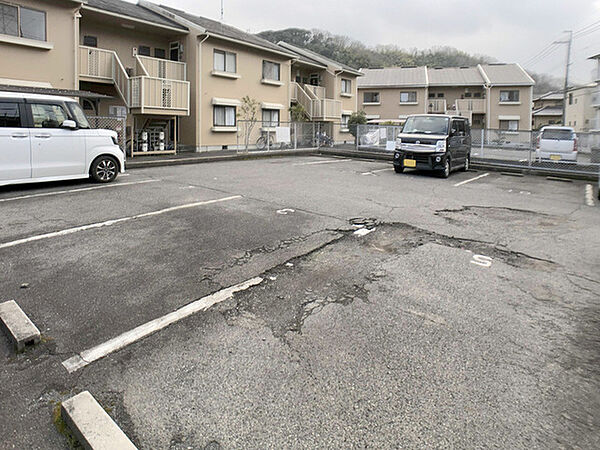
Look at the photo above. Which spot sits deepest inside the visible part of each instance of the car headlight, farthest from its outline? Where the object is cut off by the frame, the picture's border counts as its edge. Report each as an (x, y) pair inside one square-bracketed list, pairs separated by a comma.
[(398, 143), (114, 139), (440, 146)]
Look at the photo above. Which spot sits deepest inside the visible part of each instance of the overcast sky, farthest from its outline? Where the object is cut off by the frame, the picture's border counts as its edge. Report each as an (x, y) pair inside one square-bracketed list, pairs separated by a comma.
[(507, 30)]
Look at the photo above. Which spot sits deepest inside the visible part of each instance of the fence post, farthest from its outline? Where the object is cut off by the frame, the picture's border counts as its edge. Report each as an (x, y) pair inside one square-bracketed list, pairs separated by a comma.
[(530, 150), (482, 139), (357, 135), (319, 135)]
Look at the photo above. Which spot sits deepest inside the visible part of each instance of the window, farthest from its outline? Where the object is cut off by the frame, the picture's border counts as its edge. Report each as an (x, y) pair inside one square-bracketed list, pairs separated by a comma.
[(90, 41), (459, 126), (270, 118), (345, 118), (174, 51), (409, 97), (440, 95), (224, 116), (47, 115), (23, 22), (79, 115), (371, 97), (570, 99), (225, 61), (314, 79), (509, 96), (346, 86), (477, 95), (143, 50), (160, 53), (9, 19), (431, 95), (271, 71), (9, 115), (468, 95), (509, 125)]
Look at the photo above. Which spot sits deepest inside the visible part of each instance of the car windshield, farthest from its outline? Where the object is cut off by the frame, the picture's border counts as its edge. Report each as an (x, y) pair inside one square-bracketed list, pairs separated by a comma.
[(426, 125), (79, 115), (557, 134)]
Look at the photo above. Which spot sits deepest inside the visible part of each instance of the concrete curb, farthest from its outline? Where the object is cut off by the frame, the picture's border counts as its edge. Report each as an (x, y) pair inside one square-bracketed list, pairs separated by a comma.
[(92, 426), (17, 326), (193, 159)]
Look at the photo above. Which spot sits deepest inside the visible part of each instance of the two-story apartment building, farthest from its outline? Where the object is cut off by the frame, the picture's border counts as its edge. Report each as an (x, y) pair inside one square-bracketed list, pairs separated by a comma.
[(496, 96), (179, 79), (547, 110)]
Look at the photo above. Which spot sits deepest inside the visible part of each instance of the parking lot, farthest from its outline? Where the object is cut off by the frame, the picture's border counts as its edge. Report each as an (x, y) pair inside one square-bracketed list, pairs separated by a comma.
[(374, 309)]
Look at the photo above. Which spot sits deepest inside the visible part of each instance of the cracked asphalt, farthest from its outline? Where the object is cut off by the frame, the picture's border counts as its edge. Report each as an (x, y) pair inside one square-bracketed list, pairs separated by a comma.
[(467, 318)]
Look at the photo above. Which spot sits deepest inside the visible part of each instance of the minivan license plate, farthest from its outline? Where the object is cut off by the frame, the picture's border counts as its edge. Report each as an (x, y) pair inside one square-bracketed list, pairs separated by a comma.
[(555, 157), (410, 163)]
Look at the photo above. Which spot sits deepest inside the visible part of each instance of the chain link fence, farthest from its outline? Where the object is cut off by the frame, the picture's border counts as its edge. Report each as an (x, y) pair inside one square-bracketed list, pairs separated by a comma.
[(111, 123), (503, 148)]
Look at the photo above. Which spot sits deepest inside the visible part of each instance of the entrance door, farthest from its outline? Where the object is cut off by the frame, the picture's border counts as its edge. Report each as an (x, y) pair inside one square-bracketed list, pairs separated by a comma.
[(15, 150), (55, 151)]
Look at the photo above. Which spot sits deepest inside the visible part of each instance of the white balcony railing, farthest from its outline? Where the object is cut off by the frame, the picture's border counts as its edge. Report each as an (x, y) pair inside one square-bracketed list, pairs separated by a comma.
[(146, 92), (436, 105), (474, 105)]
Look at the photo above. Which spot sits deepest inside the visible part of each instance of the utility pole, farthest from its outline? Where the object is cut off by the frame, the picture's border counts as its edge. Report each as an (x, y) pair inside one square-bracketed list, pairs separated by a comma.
[(222, 15), (569, 42)]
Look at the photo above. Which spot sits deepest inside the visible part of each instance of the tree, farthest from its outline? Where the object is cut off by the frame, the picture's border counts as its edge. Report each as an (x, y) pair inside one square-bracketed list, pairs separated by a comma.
[(247, 118), (298, 113), (357, 118)]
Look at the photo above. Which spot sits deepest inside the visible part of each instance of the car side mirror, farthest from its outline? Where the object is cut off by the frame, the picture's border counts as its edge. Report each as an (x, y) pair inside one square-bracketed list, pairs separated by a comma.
[(70, 124)]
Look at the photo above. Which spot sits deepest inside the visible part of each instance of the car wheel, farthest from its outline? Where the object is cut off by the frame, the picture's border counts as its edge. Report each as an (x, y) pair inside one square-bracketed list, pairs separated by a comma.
[(398, 169), (104, 169), (445, 172), (467, 165)]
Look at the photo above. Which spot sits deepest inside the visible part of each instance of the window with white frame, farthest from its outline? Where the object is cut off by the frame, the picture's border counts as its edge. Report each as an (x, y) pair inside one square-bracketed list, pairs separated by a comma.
[(270, 118), (346, 86), (345, 118), (271, 71), (509, 96), (408, 97), (225, 61), (224, 116), (509, 125), (371, 97), (22, 22)]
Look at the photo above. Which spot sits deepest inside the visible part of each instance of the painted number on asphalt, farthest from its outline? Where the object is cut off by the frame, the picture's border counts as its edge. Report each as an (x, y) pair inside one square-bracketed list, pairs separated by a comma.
[(481, 260), (285, 211)]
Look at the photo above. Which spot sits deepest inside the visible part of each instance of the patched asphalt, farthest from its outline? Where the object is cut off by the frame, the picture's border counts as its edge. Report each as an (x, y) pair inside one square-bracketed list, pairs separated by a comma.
[(393, 339)]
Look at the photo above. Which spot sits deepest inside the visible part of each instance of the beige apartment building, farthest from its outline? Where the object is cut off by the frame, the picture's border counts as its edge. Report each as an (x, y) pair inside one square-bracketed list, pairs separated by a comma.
[(495, 96), (547, 110), (179, 80)]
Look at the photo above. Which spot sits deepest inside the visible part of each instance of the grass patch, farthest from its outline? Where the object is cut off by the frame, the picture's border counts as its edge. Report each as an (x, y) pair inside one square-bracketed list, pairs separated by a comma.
[(62, 427)]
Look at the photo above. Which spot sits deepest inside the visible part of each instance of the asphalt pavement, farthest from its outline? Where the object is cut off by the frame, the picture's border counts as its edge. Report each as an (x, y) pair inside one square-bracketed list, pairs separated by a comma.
[(395, 310)]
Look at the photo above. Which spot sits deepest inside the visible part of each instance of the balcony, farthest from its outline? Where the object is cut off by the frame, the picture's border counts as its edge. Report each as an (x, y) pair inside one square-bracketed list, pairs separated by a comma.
[(159, 86), (436, 106), (595, 124), (475, 106)]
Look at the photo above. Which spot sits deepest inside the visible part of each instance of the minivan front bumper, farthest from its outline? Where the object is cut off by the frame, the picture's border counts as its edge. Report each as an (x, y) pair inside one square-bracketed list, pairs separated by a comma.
[(423, 160)]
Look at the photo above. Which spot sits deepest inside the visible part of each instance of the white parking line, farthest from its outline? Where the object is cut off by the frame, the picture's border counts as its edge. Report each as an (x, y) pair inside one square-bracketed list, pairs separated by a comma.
[(472, 179), (329, 161), (47, 194), (589, 195), (100, 351), (377, 171), (112, 222)]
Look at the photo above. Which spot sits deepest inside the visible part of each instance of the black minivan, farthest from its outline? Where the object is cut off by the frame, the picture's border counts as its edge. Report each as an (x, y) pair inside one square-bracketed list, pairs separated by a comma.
[(434, 142)]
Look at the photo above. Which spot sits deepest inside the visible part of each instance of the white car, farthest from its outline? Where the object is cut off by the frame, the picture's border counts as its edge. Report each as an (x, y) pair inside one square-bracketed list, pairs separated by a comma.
[(48, 138), (557, 144)]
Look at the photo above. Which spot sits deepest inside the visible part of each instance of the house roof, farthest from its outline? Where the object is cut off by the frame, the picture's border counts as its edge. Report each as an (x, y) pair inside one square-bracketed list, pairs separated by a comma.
[(548, 111), (506, 74), (227, 31), (549, 96), (132, 11), (454, 76), (493, 74), (312, 57), (21, 90), (394, 77)]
